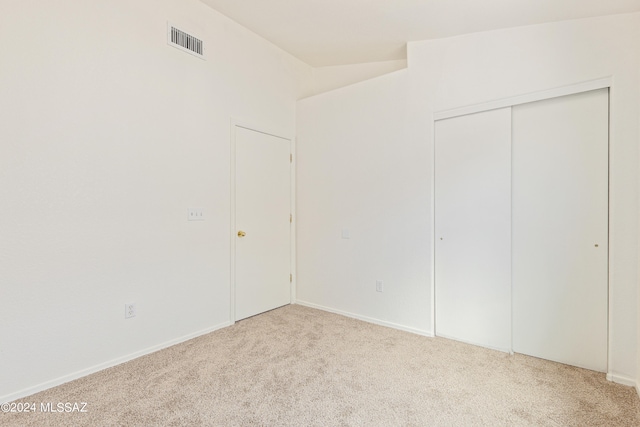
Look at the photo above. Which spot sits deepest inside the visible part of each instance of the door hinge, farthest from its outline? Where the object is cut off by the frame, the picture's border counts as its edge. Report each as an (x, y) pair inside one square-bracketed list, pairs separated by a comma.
[(290, 218), (290, 278), (290, 158)]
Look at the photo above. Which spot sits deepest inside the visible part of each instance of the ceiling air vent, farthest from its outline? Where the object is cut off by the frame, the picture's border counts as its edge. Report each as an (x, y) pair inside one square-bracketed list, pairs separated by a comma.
[(185, 42)]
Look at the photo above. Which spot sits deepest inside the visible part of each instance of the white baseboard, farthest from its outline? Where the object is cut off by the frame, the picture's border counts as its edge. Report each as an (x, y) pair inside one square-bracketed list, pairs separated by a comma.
[(367, 319), (620, 379), (93, 369), (502, 350)]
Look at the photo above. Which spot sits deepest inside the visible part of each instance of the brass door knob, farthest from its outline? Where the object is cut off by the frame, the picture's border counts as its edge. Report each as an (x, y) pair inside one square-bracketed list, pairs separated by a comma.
[(241, 233)]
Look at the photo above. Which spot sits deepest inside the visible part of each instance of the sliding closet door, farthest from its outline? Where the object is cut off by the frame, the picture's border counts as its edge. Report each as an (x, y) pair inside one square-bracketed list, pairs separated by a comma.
[(560, 208), (473, 228)]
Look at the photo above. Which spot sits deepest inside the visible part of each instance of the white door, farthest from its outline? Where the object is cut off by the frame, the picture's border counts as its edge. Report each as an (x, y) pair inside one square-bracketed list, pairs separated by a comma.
[(560, 216), (473, 228), (262, 219)]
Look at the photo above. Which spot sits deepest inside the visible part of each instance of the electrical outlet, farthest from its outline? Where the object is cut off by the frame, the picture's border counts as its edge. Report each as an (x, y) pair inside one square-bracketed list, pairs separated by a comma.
[(129, 310), (379, 286)]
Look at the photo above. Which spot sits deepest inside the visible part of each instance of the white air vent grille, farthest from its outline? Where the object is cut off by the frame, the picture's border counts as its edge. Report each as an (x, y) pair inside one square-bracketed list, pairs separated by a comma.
[(185, 42)]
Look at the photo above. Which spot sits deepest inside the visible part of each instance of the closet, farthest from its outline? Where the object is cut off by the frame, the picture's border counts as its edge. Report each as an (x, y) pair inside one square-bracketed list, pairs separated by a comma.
[(521, 228)]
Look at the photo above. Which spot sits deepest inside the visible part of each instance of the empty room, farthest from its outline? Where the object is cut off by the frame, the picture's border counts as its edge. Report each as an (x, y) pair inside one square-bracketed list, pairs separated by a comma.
[(292, 213)]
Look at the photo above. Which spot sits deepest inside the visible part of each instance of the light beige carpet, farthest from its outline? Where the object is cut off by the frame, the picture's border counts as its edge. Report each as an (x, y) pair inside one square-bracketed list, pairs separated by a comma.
[(297, 366)]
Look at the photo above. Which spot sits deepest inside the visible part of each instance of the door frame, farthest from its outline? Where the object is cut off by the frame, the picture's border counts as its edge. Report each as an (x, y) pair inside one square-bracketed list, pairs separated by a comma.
[(602, 83), (235, 123)]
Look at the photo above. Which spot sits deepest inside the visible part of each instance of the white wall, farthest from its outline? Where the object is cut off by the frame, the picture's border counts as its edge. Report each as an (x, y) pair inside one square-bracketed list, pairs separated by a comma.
[(337, 76), (107, 136), (361, 164), (638, 339), (365, 163)]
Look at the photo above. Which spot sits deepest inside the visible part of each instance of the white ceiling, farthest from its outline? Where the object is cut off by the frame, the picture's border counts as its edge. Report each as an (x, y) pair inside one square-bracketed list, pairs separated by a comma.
[(334, 32)]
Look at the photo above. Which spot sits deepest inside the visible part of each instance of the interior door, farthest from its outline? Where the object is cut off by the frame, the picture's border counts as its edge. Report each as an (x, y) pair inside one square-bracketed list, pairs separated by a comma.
[(560, 229), (262, 219), (473, 228)]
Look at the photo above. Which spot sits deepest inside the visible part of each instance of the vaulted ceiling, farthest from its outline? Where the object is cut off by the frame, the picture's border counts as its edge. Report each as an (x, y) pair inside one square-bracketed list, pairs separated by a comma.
[(335, 32)]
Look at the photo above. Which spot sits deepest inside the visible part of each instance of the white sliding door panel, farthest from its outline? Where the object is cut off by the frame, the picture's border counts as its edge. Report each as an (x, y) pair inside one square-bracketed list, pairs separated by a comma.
[(473, 228), (263, 206), (560, 231)]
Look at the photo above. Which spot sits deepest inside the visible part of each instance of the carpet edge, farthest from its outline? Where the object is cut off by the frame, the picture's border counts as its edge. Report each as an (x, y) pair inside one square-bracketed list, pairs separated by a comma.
[(108, 364)]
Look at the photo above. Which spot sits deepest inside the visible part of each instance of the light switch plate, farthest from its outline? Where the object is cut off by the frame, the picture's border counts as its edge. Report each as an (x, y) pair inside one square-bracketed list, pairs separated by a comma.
[(346, 233), (195, 214)]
